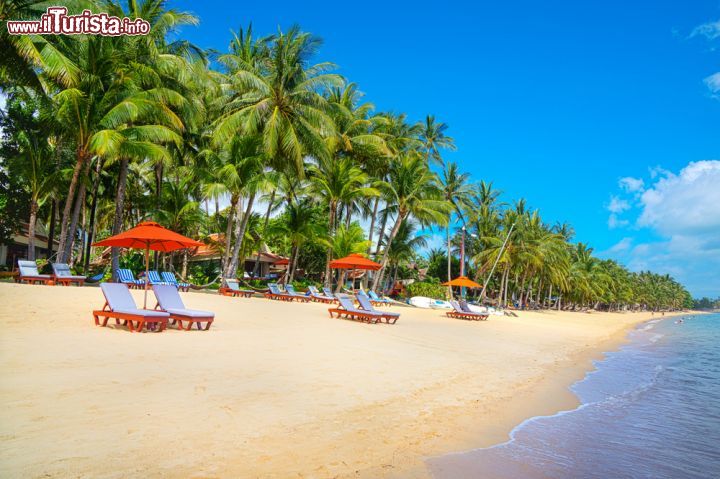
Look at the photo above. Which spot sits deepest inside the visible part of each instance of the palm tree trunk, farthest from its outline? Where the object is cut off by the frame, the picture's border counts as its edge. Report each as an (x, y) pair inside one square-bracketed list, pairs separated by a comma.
[(51, 229), (449, 262), (386, 253), (381, 233), (93, 211), (371, 232), (228, 231), (331, 223), (79, 202), (293, 264), (65, 221), (239, 237), (31, 229), (119, 210), (265, 226)]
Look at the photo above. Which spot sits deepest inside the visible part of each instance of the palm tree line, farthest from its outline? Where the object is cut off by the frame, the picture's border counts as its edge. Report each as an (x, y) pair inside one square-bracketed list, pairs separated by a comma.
[(101, 133)]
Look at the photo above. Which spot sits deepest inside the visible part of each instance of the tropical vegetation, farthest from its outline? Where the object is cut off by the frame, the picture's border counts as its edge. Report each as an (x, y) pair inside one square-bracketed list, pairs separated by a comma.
[(261, 146)]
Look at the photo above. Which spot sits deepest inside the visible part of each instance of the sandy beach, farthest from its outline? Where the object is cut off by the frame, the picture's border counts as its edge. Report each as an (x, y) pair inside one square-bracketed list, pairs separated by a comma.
[(274, 389)]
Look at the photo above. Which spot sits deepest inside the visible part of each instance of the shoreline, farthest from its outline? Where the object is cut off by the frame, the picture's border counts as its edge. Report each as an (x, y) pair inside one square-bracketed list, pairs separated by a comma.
[(274, 390), (568, 375)]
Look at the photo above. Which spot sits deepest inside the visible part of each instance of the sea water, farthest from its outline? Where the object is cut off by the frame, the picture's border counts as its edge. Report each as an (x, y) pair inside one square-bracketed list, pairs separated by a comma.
[(649, 410)]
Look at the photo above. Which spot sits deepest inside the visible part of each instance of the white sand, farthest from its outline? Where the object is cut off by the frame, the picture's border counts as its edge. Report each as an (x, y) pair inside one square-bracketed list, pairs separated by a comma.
[(273, 390)]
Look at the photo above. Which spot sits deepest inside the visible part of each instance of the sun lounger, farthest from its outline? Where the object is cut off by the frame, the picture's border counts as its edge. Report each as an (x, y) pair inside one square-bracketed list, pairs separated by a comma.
[(28, 273), (169, 278), (377, 299), (169, 301), (328, 292), (290, 289), (119, 305), (372, 301), (366, 305), (459, 313), (154, 278), (127, 277), (320, 298), (232, 288), (275, 293), (348, 310), (64, 276)]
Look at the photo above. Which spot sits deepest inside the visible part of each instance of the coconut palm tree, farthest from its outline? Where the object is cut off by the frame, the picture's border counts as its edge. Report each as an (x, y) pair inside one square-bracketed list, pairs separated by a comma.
[(457, 191), (279, 100), (414, 190), (434, 139)]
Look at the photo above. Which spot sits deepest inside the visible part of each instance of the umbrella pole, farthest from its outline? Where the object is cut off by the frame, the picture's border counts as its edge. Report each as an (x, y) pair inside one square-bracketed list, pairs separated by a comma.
[(147, 269)]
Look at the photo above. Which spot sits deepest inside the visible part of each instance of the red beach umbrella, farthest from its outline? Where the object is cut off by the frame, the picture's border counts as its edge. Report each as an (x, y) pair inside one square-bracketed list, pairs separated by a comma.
[(354, 261), (463, 281), (149, 236)]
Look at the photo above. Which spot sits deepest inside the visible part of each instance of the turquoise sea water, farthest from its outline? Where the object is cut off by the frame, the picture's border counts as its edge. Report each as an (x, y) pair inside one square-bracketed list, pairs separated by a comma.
[(649, 410)]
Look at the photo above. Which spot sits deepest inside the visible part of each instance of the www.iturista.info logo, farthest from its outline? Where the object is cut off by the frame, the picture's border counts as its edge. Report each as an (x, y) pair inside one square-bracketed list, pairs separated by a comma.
[(56, 21)]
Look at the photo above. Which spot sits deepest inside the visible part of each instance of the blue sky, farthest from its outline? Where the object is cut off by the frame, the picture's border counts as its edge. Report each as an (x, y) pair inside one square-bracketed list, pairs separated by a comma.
[(555, 102)]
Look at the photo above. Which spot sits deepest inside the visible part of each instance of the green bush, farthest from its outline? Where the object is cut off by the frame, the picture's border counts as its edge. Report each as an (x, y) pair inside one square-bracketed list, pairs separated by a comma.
[(428, 289)]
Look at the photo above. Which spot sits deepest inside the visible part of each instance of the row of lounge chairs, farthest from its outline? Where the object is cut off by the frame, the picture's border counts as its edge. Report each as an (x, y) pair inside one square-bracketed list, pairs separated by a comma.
[(120, 306), (28, 273), (127, 277)]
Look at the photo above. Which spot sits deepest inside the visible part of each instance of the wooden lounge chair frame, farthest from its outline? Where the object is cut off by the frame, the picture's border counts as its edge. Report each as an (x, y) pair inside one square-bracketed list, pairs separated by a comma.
[(127, 319), (316, 297)]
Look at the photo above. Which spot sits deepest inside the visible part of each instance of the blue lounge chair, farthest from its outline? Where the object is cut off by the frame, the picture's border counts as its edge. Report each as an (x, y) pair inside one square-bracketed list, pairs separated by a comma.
[(459, 312), (328, 292), (320, 298), (374, 297), (365, 304), (348, 310), (275, 293), (168, 300), (154, 278), (232, 288), (127, 277), (290, 289), (169, 278)]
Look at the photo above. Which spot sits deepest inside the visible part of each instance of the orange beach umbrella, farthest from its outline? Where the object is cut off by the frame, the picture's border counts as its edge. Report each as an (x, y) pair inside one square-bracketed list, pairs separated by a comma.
[(463, 281), (354, 261), (149, 236)]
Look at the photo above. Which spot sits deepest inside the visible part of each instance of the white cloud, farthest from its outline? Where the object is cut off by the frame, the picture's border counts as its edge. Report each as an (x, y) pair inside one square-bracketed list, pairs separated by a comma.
[(683, 209), (620, 247), (713, 82), (710, 30), (631, 185), (617, 205), (684, 203), (615, 222)]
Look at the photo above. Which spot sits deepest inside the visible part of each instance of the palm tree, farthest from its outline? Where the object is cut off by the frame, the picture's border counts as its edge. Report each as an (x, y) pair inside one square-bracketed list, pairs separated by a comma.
[(434, 139), (346, 240), (457, 191), (33, 165), (336, 183), (414, 191), (298, 226), (278, 99)]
